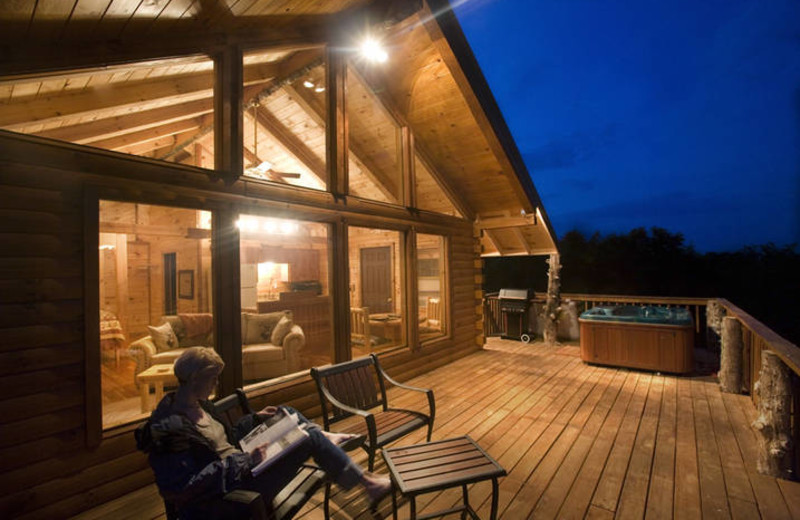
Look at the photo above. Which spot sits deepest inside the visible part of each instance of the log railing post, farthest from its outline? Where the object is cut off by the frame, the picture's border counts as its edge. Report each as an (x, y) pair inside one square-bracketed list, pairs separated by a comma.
[(731, 357), (774, 424), (714, 314)]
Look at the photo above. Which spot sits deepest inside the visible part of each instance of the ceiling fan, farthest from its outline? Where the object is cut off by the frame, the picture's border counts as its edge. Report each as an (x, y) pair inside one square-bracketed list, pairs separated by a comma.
[(264, 170)]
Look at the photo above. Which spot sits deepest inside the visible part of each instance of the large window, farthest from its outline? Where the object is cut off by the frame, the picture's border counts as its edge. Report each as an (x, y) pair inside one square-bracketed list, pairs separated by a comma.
[(163, 109), (377, 317), (375, 143), (284, 117), (286, 306), (431, 286), (155, 300)]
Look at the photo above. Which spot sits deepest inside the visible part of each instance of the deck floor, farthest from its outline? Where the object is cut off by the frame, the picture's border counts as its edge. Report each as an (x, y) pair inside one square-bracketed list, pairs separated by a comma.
[(578, 441)]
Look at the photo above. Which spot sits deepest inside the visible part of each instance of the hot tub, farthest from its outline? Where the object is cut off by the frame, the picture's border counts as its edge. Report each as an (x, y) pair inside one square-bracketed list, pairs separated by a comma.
[(652, 338)]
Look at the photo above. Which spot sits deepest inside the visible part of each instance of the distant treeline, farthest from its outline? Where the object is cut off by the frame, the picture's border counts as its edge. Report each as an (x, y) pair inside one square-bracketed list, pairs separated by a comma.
[(762, 280)]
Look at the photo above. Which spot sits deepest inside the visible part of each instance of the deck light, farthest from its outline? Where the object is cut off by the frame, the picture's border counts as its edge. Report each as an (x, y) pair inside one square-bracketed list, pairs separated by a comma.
[(373, 51)]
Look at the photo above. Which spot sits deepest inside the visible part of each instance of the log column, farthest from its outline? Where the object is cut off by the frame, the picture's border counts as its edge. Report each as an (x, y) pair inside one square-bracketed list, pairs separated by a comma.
[(553, 306), (714, 314), (731, 357), (774, 420)]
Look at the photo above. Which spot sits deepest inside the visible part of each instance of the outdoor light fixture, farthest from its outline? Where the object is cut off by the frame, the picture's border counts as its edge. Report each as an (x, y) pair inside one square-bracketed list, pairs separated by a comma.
[(308, 84), (372, 50), (319, 89)]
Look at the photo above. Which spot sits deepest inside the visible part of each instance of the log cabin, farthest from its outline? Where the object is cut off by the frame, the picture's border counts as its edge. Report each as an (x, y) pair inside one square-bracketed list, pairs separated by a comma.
[(178, 172)]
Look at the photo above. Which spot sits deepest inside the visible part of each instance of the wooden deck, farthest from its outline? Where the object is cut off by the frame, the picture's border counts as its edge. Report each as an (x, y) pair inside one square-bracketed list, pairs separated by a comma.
[(579, 441)]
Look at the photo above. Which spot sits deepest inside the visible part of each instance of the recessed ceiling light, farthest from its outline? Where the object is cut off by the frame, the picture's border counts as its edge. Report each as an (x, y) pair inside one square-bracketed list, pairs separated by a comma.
[(308, 84)]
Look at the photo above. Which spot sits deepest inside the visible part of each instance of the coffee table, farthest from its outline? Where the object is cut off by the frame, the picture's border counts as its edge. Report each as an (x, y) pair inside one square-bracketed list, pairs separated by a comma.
[(157, 375), (433, 466)]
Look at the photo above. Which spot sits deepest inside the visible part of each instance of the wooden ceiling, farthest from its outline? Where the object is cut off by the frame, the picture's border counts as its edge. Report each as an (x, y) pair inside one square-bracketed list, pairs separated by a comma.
[(121, 93)]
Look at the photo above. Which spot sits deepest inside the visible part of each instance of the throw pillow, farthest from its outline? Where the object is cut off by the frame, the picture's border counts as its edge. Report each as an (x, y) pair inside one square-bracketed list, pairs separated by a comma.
[(281, 330), (259, 327), (163, 337)]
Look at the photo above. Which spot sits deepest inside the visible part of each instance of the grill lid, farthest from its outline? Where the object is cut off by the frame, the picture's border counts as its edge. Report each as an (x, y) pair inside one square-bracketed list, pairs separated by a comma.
[(515, 294)]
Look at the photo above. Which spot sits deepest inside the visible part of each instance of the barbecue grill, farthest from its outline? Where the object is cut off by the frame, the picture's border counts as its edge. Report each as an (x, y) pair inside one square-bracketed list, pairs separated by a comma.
[(515, 308)]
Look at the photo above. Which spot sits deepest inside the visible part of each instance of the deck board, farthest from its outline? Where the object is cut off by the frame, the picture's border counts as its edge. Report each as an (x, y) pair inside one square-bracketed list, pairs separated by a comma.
[(578, 441)]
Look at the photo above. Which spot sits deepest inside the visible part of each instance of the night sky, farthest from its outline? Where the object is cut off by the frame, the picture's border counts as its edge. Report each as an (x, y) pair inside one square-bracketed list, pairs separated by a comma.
[(682, 114)]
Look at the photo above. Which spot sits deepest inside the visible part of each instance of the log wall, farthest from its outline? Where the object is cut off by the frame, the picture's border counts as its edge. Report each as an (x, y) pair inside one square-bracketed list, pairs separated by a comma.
[(55, 462)]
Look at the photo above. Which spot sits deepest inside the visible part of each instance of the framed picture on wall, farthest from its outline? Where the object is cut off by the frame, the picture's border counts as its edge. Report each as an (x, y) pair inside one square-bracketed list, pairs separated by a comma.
[(186, 284)]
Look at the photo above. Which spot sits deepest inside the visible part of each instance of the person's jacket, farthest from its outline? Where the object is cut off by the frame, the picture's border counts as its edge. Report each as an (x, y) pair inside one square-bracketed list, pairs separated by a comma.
[(188, 471)]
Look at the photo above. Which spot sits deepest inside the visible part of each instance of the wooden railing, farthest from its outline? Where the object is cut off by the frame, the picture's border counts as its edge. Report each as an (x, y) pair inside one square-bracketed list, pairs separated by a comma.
[(757, 337)]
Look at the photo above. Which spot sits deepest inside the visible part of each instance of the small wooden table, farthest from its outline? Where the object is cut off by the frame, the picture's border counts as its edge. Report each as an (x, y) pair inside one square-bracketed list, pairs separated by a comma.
[(156, 375), (438, 465)]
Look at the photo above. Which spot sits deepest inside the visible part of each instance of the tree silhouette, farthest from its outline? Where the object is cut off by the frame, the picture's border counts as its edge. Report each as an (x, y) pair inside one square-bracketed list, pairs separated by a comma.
[(762, 280)]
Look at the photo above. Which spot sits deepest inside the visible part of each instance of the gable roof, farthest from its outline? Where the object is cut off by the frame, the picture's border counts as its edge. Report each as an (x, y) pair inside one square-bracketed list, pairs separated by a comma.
[(433, 84)]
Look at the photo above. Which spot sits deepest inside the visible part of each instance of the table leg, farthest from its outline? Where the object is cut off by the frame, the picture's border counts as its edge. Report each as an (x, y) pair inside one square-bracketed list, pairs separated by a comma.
[(465, 498), (144, 392), (495, 497), (412, 503), (394, 504), (159, 392)]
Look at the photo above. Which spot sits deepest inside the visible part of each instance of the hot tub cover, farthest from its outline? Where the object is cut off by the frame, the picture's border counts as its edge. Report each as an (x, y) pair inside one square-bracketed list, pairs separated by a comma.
[(639, 314)]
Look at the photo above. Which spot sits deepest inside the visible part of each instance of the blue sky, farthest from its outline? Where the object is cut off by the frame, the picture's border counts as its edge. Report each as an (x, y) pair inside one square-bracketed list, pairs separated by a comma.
[(679, 114)]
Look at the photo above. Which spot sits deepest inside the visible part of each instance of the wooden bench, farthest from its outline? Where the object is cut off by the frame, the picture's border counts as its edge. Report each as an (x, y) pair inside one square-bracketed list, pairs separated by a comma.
[(354, 388), (242, 503)]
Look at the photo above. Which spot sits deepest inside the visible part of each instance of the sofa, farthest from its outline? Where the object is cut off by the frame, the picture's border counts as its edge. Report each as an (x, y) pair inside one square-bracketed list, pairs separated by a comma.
[(271, 342)]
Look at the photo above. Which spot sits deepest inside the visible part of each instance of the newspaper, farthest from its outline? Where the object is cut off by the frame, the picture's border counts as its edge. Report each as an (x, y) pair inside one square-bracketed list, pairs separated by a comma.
[(275, 437)]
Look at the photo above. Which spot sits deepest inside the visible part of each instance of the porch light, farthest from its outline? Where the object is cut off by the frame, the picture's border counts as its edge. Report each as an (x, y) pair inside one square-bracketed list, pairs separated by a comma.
[(373, 51)]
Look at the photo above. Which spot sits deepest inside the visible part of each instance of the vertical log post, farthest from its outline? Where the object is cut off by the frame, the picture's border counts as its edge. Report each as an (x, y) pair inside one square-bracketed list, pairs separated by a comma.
[(714, 314), (774, 420), (552, 307), (731, 357)]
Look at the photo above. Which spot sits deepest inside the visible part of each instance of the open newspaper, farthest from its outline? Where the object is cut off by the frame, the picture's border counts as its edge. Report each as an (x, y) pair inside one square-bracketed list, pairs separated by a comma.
[(277, 436)]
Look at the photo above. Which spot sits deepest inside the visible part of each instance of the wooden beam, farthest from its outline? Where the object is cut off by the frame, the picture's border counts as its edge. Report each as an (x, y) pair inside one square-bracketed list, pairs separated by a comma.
[(340, 295), (86, 133), (335, 124), (522, 240), (187, 37), (127, 97), (229, 118), (507, 222), (147, 135), (290, 142), (489, 234), (93, 421), (227, 300)]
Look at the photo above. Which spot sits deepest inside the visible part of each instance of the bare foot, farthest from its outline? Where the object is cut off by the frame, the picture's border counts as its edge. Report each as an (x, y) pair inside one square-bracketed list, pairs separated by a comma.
[(376, 486)]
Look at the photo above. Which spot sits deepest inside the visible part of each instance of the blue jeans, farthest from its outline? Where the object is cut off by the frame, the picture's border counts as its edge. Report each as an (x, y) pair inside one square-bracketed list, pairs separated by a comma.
[(332, 459)]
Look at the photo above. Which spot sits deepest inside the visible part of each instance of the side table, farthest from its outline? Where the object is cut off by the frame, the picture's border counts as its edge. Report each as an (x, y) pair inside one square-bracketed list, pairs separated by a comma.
[(433, 466), (156, 375)]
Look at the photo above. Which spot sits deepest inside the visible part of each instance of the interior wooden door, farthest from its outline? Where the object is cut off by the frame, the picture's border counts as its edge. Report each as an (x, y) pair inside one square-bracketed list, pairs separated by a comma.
[(376, 279), (139, 313)]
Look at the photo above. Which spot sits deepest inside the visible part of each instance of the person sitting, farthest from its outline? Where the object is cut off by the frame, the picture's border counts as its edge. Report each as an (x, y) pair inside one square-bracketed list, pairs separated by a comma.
[(196, 458)]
